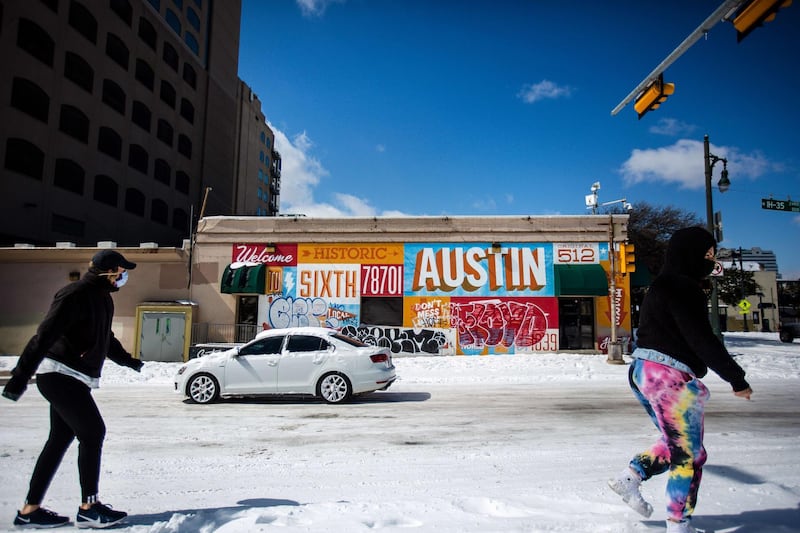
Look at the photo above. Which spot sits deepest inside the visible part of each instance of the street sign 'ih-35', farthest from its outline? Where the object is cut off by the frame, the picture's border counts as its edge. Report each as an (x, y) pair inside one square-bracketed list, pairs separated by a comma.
[(780, 205)]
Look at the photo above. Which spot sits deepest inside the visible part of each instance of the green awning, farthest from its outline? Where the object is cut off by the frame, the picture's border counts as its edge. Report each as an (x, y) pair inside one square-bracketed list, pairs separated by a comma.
[(239, 278), (583, 280)]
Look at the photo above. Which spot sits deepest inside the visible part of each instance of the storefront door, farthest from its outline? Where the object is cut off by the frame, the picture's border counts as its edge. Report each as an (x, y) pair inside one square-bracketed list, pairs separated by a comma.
[(576, 319)]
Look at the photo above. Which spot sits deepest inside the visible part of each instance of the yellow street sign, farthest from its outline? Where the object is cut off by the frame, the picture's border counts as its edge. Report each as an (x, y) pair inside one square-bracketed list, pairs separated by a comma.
[(744, 307)]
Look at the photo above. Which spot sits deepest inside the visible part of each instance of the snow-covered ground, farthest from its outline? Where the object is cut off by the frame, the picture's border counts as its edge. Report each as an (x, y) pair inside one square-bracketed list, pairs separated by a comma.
[(458, 444)]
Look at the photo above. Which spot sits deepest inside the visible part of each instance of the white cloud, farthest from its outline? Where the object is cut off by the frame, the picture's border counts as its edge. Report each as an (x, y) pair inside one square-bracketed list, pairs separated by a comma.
[(315, 8), (683, 164), (672, 127), (301, 173), (380, 148), (543, 90)]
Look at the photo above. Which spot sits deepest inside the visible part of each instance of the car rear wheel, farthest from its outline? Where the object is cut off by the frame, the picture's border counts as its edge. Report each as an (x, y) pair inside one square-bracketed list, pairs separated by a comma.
[(202, 388), (334, 388), (786, 336)]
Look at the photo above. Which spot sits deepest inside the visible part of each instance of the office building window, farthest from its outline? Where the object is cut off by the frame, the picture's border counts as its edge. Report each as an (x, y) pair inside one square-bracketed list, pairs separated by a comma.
[(117, 50), (81, 19), (184, 146), (106, 190), (78, 70), (145, 74), (74, 123), (194, 20), (170, 56), (69, 175), (30, 98), (173, 21), (24, 157), (34, 40), (141, 115), (189, 76), (191, 42), (109, 142), (67, 225), (134, 201), (182, 182), (114, 96), (156, 4), (168, 93), (138, 158), (162, 172), (159, 212), (147, 33), (187, 110), (164, 132), (180, 220), (123, 9)]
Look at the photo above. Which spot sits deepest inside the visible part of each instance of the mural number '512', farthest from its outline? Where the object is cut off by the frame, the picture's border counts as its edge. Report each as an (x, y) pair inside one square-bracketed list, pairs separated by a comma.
[(573, 254)]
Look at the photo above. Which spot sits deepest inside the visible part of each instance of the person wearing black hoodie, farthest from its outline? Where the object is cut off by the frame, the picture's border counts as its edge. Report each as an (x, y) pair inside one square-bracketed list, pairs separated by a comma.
[(675, 348), (67, 355)]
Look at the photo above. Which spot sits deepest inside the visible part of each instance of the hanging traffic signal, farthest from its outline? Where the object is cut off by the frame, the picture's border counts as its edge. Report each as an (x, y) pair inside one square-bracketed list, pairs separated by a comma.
[(653, 96), (755, 13), (627, 259)]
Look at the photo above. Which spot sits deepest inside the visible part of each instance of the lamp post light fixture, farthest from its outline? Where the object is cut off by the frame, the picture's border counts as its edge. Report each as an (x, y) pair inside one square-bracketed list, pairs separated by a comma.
[(724, 184)]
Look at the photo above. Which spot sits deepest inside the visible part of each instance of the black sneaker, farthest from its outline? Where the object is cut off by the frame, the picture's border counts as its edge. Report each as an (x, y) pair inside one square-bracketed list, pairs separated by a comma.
[(99, 516), (41, 518)]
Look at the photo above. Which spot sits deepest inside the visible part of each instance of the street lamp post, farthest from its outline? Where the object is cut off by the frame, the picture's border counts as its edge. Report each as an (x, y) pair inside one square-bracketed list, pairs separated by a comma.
[(723, 184)]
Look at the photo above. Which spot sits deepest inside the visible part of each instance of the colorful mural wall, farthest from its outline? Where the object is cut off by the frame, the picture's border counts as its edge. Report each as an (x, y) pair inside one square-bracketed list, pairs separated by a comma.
[(445, 298)]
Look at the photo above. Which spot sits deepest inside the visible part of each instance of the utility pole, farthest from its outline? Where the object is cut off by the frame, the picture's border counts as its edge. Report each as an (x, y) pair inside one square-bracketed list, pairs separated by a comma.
[(614, 347)]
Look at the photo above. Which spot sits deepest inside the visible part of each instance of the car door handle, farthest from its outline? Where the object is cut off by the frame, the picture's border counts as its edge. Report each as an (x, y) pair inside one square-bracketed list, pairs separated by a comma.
[(273, 362)]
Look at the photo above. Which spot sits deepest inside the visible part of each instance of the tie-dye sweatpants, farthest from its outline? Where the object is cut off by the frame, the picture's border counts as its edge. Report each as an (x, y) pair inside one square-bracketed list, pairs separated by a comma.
[(675, 402)]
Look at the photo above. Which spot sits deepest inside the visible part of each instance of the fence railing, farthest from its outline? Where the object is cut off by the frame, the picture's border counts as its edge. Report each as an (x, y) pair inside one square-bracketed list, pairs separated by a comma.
[(210, 333)]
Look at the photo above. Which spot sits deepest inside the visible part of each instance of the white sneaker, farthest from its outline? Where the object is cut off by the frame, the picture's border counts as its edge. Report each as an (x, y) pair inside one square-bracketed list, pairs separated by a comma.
[(626, 484), (683, 526)]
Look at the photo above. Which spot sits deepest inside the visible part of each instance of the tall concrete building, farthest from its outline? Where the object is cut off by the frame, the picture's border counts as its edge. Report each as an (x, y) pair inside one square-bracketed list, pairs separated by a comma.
[(258, 164), (765, 258), (116, 116)]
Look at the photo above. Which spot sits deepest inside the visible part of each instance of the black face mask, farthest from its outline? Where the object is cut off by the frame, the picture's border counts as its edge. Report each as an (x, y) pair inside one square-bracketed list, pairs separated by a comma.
[(708, 266)]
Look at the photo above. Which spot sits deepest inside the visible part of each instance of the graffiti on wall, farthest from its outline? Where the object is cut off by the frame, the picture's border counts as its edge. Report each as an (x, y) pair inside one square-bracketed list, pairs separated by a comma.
[(426, 341), (289, 312), (504, 326)]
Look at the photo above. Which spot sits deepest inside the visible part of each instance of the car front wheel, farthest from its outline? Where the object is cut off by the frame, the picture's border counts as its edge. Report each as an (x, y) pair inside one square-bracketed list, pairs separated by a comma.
[(334, 388), (786, 336), (202, 388)]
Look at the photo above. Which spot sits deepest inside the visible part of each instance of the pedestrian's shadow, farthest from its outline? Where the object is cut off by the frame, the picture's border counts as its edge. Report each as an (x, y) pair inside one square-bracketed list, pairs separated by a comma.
[(208, 519), (761, 521)]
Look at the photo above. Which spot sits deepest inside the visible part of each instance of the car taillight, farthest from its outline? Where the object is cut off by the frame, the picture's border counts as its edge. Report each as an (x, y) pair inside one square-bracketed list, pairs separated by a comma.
[(379, 358)]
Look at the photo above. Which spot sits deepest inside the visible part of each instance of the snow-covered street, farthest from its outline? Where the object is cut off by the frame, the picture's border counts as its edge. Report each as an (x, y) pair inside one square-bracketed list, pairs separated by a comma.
[(458, 444)]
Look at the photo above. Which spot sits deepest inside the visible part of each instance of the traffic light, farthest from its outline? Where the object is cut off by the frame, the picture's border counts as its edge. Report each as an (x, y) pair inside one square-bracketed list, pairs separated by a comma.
[(653, 96), (627, 260), (754, 13)]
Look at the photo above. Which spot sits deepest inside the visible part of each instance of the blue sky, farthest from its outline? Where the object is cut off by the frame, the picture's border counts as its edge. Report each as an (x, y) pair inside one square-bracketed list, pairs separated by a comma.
[(444, 107)]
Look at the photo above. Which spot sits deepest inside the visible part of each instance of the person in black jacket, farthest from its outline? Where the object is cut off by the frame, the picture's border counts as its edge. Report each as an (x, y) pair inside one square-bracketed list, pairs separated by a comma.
[(676, 346), (67, 354)]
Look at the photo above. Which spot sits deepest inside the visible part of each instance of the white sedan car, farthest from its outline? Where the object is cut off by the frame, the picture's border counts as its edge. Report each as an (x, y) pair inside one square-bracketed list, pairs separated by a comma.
[(312, 361)]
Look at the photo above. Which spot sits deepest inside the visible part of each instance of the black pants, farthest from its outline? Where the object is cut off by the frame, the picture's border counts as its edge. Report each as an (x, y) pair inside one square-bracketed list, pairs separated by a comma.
[(73, 413)]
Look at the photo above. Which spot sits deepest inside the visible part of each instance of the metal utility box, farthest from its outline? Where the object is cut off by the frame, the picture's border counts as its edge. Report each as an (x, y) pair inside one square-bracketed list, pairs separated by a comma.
[(164, 331)]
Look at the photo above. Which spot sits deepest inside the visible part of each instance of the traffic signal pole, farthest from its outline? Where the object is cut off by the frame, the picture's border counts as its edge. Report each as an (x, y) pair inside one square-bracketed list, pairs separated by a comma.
[(719, 14)]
